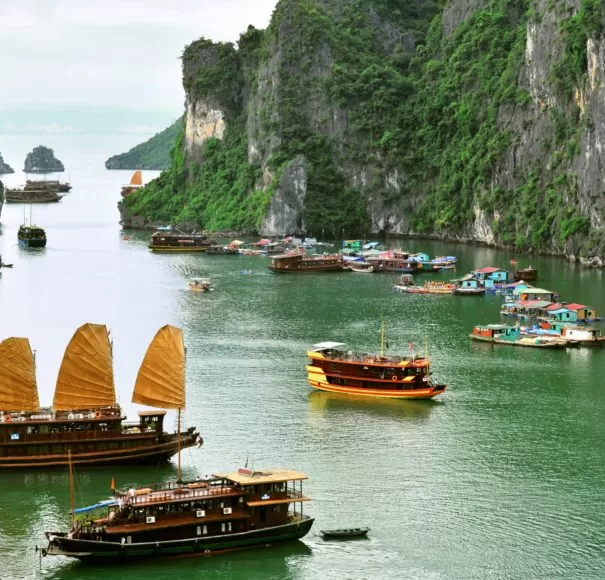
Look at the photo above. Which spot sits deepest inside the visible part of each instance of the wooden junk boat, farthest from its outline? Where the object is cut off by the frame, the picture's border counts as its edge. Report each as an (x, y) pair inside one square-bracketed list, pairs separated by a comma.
[(300, 263), (50, 184), (332, 368), (136, 183), (171, 242), (228, 511), (25, 195), (30, 236), (85, 419)]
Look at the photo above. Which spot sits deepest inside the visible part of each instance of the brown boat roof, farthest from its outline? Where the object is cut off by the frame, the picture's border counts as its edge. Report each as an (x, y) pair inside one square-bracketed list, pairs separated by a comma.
[(265, 476)]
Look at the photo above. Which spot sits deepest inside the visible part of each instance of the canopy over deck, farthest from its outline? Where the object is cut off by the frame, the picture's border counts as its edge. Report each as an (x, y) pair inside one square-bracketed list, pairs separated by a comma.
[(249, 477), (327, 346)]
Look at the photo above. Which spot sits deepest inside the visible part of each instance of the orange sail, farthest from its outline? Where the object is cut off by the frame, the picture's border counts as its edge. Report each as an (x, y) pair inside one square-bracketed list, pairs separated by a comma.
[(18, 387), (85, 378), (137, 178), (161, 379)]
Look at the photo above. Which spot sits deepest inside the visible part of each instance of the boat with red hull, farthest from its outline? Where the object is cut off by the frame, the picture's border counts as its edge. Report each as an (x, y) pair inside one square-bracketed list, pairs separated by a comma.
[(333, 368)]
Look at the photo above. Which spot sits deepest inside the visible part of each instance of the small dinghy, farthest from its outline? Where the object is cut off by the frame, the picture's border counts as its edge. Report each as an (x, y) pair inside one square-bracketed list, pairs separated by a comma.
[(344, 533)]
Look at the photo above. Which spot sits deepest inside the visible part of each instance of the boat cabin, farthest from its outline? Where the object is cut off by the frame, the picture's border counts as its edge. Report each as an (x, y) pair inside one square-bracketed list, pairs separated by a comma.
[(496, 332), (531, 293), (226, 503)]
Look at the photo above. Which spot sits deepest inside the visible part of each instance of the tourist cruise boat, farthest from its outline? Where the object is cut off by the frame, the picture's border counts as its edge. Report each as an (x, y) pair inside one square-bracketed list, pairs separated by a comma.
[(42, 195), (85, 419), (333, 368), (225, 512), (300, 263), (171, 242)]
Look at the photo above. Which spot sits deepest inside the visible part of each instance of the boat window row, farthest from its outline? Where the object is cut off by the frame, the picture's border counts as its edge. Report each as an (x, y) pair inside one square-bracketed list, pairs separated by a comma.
[(60, 449)]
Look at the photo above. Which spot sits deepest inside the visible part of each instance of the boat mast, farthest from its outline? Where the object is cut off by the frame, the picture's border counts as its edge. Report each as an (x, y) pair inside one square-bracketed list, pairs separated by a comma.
[(71, 491), (178, 443), (382, 339)]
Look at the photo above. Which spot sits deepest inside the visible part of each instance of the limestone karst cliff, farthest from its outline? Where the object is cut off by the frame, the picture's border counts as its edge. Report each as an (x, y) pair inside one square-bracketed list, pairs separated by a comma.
[(42, 160), (5, 167), (151, 154), (480, 120)]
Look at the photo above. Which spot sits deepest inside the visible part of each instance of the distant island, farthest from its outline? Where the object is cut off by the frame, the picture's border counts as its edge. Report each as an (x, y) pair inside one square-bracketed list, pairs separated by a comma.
[(42, 160), (152, 154), (5, 167)]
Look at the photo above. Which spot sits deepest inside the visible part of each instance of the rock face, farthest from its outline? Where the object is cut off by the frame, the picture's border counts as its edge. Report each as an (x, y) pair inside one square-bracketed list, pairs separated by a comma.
[(5, 167), (483, 121), (42, 160), (152, 154)]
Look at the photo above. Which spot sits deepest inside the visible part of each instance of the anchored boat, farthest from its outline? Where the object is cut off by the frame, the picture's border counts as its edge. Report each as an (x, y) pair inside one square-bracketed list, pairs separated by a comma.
[(228, 511), (333, 368), (85, 418)]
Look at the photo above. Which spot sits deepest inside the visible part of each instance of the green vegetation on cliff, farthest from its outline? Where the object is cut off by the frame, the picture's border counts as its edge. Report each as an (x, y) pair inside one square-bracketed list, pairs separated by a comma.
[(386, 109), (221, 193), (152, 154)]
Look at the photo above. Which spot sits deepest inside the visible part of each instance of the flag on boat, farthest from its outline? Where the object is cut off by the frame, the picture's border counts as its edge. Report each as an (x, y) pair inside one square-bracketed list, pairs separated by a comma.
[(113, 483)]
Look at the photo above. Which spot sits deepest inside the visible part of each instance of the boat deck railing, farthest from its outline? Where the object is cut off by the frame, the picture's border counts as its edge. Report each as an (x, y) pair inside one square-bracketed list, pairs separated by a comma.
[(361, 357)]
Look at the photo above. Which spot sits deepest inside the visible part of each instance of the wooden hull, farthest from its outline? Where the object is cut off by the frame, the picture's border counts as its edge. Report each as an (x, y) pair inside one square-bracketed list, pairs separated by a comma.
[(13, 199), (35, 243), (308, 270), (98, 551), (154, 452), (527, 343), (177, 249), (427, 393), (469, 292)]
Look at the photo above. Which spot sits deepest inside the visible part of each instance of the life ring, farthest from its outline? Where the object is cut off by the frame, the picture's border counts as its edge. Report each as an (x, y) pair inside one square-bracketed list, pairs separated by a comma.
[(7, 418), (394, 378)]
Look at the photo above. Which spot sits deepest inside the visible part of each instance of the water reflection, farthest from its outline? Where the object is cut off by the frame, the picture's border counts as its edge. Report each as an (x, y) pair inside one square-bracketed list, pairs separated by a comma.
[(277, 561), (322, 402)]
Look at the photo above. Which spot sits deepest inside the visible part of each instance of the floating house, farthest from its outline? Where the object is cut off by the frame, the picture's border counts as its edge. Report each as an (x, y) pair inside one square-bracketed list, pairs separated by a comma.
[(531, 293), (560, 313), (525, 309), (491, 274), (583, 313)]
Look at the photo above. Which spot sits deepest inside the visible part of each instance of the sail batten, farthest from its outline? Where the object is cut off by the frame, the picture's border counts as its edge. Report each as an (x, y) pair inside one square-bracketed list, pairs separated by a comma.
[(18, 386), (85, 378), (161, 379)]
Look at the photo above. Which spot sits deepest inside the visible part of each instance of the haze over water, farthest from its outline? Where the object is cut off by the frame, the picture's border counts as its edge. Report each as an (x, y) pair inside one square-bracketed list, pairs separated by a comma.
[(501, 477)]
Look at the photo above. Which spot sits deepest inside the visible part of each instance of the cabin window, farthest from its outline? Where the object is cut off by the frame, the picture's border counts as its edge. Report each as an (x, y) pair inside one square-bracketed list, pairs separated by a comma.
[(15, 437), (223, 527), (276, 509), (199, 530), (228, 526), (204, 530), (241, 499)]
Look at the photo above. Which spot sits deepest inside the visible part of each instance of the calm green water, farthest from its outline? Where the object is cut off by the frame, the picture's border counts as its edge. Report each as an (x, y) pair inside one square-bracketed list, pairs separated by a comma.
[(502, 477)]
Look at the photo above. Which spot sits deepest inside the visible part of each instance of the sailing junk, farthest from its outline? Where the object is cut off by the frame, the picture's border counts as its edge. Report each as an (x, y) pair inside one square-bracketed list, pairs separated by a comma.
[(136, 182), (85, 417)]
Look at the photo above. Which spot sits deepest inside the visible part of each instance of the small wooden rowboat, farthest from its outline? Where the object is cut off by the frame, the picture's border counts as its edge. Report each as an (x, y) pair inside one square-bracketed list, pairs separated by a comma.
[(344, 533)]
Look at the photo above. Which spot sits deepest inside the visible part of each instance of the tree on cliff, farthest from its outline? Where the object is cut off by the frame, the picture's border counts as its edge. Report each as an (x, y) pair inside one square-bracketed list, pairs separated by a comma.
[(42, 160)]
